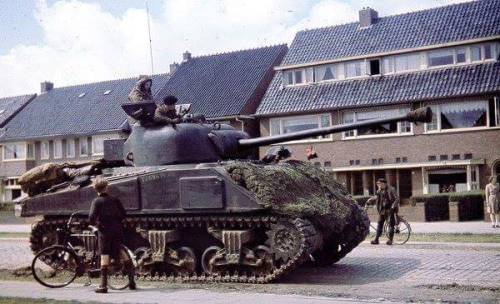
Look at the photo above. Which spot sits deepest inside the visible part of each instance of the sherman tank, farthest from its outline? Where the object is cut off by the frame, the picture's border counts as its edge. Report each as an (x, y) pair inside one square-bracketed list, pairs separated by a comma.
[(199, 208)]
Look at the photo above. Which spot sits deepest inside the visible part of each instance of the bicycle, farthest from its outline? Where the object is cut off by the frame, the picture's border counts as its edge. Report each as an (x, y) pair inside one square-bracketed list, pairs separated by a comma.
[(74, 256), (402, 231)]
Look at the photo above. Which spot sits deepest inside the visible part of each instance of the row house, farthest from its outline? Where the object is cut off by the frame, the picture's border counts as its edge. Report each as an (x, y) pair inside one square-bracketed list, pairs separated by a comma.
[(445, 57), (70, 124)]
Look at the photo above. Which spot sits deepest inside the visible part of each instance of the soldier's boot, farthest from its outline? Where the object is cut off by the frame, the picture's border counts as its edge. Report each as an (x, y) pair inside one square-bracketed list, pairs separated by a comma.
[(103, 288), (129, 267), (391, 236)]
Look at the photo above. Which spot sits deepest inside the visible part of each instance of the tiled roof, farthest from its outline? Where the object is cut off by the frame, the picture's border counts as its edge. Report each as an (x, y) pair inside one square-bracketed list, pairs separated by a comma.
[(435, 26), (225, 84), (80, 109), (390, 89), (9, 106)]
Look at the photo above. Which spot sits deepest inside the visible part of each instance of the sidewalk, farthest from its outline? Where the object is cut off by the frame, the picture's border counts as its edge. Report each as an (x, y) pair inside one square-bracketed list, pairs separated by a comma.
[(15, 228), (155, 295), (475, 227)]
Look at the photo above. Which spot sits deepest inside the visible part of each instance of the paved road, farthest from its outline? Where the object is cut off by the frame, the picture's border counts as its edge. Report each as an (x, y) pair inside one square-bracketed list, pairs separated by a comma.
[(369, 272)]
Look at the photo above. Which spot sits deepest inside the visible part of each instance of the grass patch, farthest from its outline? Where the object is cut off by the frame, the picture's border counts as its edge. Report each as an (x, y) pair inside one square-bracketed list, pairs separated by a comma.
[(9, 235), (9, 300), (452, 237)]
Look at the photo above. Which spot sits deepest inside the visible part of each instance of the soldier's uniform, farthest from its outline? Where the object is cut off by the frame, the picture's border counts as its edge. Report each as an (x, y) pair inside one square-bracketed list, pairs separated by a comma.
[(165, 115), (140, 92), (387, 204)]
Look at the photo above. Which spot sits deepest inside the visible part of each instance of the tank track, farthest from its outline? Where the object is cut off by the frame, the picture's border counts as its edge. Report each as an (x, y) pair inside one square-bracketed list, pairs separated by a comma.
[(310, 240)]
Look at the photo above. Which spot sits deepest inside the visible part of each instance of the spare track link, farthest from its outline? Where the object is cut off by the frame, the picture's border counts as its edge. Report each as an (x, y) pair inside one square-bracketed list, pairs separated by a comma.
[(304, 227)]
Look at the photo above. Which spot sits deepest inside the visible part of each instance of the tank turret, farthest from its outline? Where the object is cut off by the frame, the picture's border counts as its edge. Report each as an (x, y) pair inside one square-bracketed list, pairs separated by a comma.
[(187, 143)]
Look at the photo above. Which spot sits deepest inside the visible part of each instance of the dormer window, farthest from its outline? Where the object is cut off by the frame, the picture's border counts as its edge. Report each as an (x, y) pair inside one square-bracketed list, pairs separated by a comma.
[(441, 57), (354, 69), (325, 72)]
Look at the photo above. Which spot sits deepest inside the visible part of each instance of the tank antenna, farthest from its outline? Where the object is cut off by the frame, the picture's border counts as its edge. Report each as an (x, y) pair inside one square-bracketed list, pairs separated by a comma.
[(150, 41)]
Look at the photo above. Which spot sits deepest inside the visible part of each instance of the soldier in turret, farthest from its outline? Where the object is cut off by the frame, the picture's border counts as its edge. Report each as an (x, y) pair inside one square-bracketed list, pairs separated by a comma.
[(166, 112), (141, 90), (107, 214)]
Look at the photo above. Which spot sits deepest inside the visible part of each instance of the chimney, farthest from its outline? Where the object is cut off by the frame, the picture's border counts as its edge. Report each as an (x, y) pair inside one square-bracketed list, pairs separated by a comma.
[(173, 67), (46, 86), (186, 56), (367, 17)]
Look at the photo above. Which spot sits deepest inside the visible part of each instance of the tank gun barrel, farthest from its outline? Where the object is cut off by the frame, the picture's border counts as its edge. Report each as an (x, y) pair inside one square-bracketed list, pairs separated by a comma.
[(423, 114)]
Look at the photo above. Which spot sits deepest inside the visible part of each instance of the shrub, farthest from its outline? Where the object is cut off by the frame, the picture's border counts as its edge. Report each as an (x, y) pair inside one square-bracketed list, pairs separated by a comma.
[(435, 197), (6, 206), (474, 196), (470, 204), (435, 205)]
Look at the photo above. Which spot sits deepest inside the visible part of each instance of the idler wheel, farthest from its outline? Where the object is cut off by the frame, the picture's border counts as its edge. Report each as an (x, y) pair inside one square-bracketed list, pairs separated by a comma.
[(285, 240), (209, 258)]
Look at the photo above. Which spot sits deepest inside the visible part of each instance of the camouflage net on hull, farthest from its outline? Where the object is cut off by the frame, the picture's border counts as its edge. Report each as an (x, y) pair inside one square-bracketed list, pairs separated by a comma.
[(299, 189)]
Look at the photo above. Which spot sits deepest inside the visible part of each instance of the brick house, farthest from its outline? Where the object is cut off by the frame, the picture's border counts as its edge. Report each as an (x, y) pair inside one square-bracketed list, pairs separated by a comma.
[(9, 107), (69, 124), (444, 57)]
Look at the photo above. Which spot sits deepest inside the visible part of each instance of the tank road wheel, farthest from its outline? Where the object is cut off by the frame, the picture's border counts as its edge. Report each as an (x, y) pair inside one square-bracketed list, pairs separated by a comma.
[(264, 255), (209, 259), (186, 261), (142, 257), (43, 235), (284, 240)]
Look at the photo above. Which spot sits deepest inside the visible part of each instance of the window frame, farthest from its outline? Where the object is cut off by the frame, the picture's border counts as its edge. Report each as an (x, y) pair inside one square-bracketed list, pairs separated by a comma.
[(280, 121), (80, 141), (42, 154), (22, 144), (104, 137), (437, 109), (70, 142), (361, 70), (55, 150), (335, 72), (355, 131)]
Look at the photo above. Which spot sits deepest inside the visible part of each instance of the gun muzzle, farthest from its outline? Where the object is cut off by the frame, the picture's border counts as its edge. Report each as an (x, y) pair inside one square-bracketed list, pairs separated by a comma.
[(423, 114)]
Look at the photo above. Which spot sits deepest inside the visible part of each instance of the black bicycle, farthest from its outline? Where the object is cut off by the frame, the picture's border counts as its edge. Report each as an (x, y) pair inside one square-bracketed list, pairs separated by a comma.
[(402, 229), (74, 256)]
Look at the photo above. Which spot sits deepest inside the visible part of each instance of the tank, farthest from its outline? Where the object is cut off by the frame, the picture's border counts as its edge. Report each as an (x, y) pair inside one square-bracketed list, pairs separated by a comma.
[(200, 208)]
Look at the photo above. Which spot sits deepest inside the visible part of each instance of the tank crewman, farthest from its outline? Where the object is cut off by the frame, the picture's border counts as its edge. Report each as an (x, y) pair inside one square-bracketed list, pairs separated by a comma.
[(141, 90), (107, 214), (166, 113), (387, 204)]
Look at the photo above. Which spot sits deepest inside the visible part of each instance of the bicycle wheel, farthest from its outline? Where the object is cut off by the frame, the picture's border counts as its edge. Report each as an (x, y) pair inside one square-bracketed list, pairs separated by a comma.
[(117, 273), (55, 266), (402, 235)]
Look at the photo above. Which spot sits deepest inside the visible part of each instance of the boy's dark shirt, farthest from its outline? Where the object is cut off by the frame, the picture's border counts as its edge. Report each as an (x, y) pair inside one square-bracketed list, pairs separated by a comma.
[(107, 214)]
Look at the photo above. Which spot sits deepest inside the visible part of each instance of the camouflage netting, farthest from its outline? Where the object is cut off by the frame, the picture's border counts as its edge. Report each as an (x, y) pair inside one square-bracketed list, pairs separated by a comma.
[(299, 189)]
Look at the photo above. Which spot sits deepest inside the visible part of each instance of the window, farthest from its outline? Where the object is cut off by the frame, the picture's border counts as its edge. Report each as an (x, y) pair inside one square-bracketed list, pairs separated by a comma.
[(298, 76), (488, 51), (398, 159), (468, 156), (354, 69), (45, 150), (98, 143), (461, 55), (441, 57), (455, 156), (475, 53), (389, 128), (299, 123), (405, 159), (497, 111), (84, 146), (58, 148), (431, 158), (14, 151), (325, 72), (458, 116), (375, 67), (70, 148), (327, 164), (407, 62), (388, 65), (443, 157)]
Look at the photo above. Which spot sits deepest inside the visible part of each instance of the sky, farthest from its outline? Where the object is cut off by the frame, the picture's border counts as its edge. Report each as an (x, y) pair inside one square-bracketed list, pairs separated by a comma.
[(70, 42)]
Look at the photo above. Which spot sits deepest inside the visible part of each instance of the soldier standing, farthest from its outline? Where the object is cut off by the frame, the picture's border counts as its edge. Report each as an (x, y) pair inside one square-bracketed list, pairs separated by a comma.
[(387, 203), (107, 214), (166, 113)]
